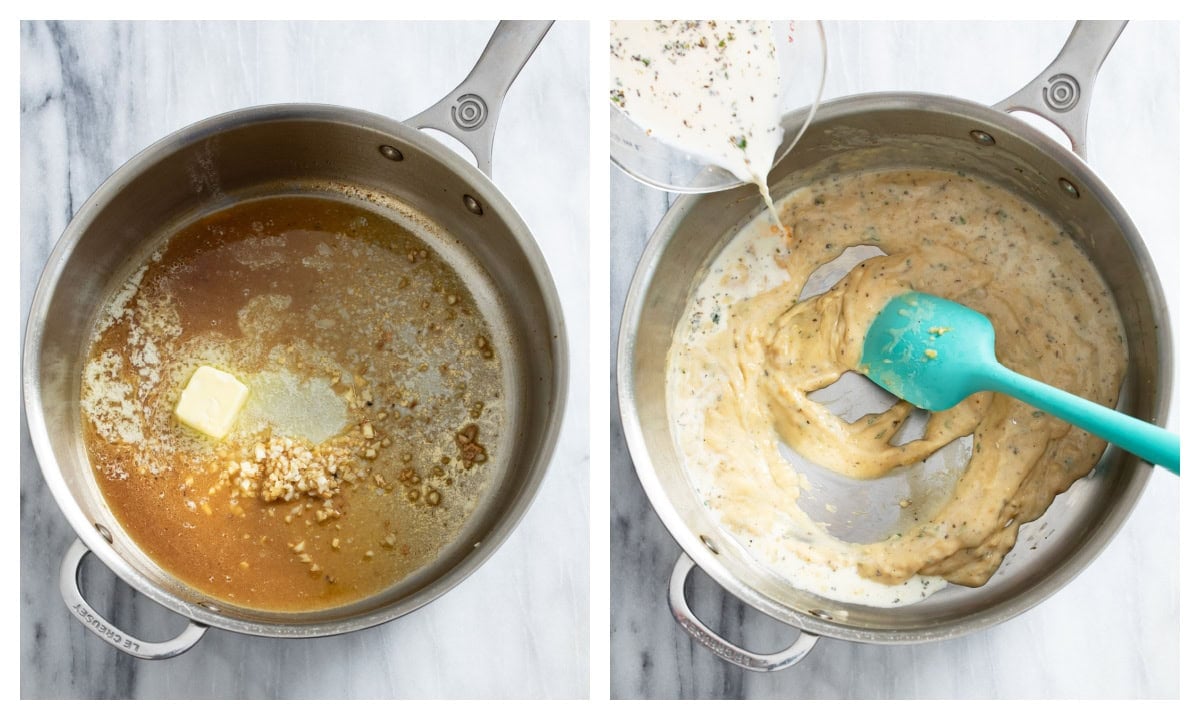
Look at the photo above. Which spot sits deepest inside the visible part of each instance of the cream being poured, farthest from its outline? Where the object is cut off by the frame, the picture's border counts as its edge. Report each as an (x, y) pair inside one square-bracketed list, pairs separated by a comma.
[(710, 88)]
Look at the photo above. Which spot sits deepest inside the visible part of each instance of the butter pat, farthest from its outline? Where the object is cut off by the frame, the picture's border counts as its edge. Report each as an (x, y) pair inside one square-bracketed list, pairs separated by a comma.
[(211, 401)]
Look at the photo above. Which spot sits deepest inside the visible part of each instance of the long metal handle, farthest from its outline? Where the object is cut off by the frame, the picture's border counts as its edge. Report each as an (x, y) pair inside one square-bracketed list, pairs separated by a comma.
[(469, 112), (1062, 93), (68, 583), (724, 649)]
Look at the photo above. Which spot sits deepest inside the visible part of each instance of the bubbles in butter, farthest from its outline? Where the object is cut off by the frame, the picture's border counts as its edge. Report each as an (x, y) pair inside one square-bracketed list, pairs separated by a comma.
[(293, 406)]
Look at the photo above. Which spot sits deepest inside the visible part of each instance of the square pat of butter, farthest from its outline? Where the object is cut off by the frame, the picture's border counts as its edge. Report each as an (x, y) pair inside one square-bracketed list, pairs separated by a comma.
[(211, 401)]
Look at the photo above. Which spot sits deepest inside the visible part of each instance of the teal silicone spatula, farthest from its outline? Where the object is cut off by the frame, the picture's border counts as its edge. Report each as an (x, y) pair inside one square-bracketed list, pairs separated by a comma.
[(933, 353)]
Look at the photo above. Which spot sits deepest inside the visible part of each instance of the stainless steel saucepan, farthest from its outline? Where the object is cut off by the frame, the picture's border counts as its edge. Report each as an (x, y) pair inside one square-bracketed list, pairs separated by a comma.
[(408, 177), (889, 130)]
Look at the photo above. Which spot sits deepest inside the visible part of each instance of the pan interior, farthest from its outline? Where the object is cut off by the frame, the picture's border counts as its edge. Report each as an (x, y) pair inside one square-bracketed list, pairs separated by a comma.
[(851, 509), (304, 152), (877, 133), (376, 396)]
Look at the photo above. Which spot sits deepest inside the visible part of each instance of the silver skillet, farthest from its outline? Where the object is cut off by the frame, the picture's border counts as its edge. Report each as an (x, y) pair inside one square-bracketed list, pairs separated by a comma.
[(879, 131), (411, 178)]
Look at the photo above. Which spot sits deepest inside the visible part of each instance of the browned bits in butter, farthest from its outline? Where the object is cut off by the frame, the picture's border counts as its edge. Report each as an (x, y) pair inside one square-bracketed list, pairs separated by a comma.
[(470, 452), (275, 516)]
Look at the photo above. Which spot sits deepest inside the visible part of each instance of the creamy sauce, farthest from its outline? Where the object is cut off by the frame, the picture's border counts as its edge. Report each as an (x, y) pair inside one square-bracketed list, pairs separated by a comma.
[(374, 396), (708, 87), (748, 354)]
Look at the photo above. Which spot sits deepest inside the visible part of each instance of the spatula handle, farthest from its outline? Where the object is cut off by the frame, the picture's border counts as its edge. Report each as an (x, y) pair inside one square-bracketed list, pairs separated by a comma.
[(1141, 438)]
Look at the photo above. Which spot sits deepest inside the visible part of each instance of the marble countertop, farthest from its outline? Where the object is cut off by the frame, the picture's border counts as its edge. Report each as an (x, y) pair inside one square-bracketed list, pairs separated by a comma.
[(1114, 631), (94, 94)]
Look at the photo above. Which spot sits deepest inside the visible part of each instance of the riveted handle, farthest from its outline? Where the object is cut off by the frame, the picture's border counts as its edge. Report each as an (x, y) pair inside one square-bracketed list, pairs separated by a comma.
[(1062, 93), (722, 648), (68, 582), (469, 113)]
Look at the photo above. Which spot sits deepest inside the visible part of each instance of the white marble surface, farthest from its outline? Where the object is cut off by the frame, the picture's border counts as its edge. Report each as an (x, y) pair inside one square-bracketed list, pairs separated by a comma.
[(92, 95), (1111, 633)]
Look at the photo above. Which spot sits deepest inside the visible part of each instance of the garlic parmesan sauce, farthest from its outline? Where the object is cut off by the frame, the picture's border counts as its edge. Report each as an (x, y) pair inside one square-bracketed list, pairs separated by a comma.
[(710, 88), (748, 352), (743, 496)]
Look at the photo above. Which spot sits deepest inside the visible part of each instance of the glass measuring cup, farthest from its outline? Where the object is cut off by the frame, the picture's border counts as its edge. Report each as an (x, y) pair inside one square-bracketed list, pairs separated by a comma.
[(800, 47)]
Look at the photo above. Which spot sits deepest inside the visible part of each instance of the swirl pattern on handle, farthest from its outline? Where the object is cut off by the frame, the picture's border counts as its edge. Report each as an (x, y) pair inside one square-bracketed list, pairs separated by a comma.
[(470, 112), (1061, 93)]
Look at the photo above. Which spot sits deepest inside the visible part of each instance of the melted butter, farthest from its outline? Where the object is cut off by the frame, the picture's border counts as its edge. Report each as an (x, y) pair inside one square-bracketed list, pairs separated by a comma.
[(294, 407), (748, 355), (350, 333)]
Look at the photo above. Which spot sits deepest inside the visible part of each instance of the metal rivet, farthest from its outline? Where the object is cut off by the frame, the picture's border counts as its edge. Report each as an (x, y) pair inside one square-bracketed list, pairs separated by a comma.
[(821, 614), (982, 138), (472, 204), (104, 533), (1061, 93), (391, 153), (1068, 187), (709, 544)]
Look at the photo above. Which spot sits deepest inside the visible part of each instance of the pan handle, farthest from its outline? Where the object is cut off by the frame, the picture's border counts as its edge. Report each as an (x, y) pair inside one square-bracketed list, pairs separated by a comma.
[(68, 583), (469, 112), (721, 647), (1062, 93)]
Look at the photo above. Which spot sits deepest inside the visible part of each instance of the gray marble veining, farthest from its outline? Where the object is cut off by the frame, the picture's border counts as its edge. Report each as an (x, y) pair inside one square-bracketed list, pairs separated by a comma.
[(1113, 632), (95, 93)]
